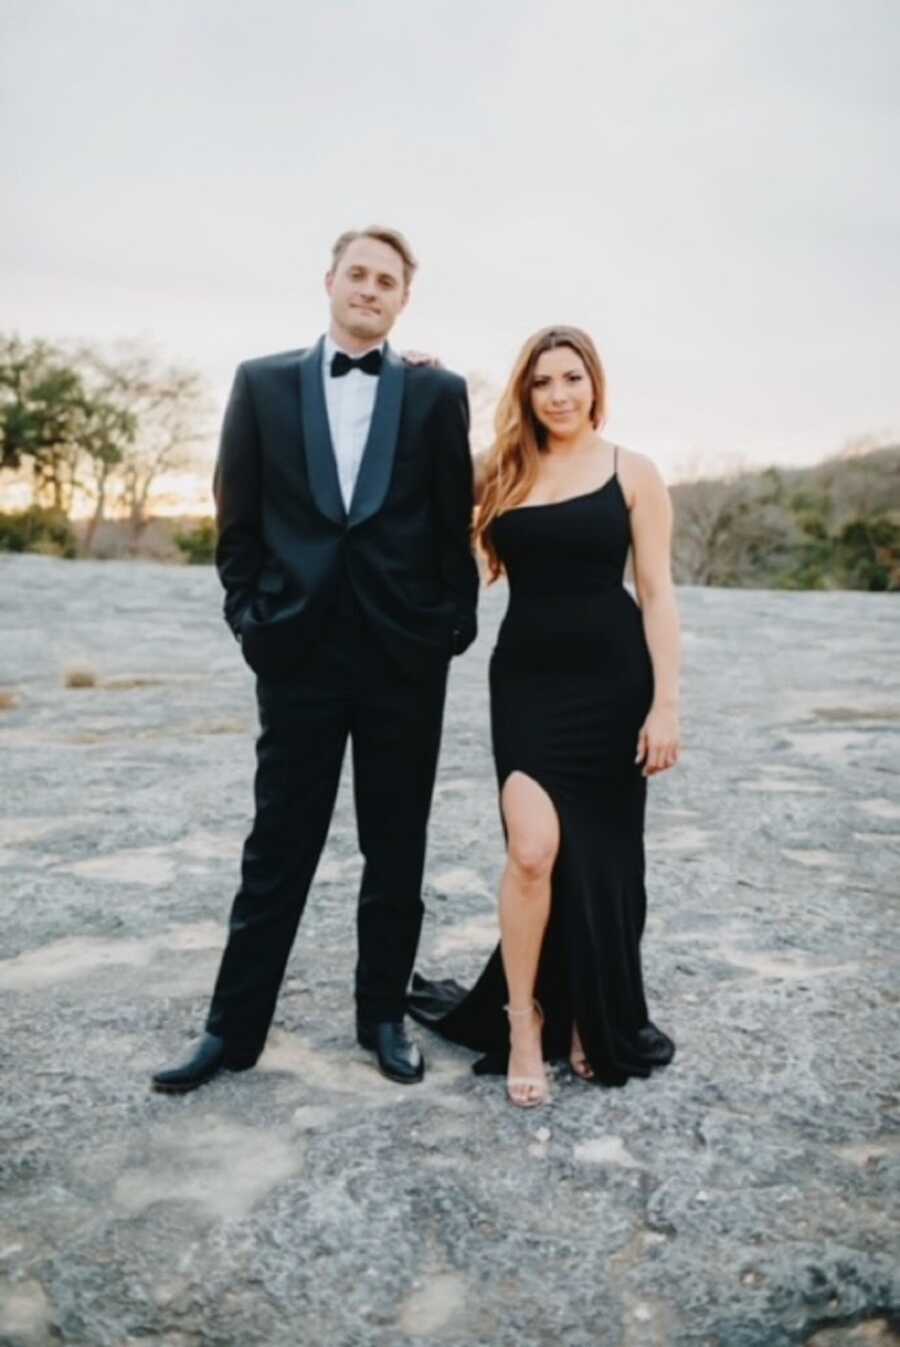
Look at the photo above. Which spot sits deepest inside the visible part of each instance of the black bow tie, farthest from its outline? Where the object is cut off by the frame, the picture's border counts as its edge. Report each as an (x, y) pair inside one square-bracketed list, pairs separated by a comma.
[(342, 364)]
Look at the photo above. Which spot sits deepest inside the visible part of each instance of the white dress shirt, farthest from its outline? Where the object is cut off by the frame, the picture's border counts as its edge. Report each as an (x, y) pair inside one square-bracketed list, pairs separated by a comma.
[(350, 401)]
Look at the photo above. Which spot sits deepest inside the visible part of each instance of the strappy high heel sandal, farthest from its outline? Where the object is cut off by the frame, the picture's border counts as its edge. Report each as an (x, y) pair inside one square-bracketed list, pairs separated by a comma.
[(578, 1061), (532, 1083)]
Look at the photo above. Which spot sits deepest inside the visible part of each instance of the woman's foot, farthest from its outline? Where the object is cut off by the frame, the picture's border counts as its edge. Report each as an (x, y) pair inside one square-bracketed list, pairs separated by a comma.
[(526, 1082), (577, 1059)]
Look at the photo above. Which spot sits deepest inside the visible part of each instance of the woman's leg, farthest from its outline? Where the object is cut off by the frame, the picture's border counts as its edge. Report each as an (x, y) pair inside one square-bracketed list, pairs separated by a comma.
[(532, 844)]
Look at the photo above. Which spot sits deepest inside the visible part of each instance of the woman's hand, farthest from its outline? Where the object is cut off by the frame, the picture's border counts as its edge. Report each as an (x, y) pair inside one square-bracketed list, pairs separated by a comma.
[(421, 358), (659, 740)]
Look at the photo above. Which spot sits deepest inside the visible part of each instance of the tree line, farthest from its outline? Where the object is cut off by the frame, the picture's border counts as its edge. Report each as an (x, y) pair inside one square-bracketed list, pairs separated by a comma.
[(832, 526), (100, 429), (93, 428)]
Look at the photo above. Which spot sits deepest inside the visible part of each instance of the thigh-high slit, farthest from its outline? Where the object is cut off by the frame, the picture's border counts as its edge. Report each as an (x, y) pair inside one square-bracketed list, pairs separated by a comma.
[(571, 683)]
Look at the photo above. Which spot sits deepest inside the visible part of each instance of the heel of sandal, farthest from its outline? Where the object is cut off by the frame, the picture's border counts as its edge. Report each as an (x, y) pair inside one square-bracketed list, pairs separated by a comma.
[(539, 1084)]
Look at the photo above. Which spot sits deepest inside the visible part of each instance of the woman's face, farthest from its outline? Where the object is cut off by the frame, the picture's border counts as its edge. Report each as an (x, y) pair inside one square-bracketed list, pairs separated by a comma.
[(562, 394)]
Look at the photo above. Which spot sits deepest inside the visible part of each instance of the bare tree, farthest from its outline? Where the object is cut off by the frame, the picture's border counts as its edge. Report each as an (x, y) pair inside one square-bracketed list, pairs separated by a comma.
[(733, 531), (102, 462), (483, 398), (171, 407), (704, 514), (866, 443)]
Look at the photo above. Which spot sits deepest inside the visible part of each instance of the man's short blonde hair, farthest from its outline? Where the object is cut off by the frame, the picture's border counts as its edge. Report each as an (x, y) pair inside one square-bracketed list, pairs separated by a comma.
[(392, 237)]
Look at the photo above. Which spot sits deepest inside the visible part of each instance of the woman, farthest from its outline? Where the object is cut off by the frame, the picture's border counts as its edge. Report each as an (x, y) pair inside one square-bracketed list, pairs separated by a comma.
[(584, 708)]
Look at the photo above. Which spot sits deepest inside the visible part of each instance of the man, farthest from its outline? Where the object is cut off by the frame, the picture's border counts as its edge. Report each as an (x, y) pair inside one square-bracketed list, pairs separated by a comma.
[(344, 496)]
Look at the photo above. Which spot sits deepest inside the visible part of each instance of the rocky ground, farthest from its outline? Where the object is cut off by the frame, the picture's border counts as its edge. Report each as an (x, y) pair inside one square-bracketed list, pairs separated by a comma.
[(746, 1197)]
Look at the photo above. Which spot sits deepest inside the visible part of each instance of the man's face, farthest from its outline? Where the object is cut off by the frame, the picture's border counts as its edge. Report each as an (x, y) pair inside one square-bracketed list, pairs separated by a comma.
[(367, 290)]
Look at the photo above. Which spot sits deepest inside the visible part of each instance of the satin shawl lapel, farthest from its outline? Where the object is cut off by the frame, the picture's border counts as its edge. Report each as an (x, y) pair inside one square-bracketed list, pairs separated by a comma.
[(377, 461), (321, 465)]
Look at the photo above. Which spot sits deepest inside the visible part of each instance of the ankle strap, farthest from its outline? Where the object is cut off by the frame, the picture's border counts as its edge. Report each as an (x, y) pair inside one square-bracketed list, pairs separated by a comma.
[(528, 1010)]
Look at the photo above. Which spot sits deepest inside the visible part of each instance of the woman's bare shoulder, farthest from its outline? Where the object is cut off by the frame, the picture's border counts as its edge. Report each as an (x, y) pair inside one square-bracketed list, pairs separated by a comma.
[(638, 473), (642, 464)]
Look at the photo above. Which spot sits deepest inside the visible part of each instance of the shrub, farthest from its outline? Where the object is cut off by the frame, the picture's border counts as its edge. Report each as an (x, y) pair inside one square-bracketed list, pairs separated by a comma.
[(79, 678), (870, 551), (198, 546), (37, 530), (864, 554)]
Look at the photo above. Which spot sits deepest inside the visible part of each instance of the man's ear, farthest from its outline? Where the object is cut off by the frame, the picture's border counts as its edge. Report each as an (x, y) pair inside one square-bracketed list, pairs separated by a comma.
[(405, 298), (329, 282)]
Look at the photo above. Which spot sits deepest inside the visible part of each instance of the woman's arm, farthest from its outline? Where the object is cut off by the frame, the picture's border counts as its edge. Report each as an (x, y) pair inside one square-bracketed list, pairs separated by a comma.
[(651, 532)]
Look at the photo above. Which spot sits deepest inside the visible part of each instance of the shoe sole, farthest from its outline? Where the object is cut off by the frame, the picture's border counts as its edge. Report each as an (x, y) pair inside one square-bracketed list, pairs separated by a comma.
[(178, 1087), (161, 1087)]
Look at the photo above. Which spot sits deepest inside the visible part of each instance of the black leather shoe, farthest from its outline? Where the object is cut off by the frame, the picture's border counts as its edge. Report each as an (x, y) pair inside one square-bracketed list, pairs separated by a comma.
[(399, 1058), (656, 1047), (207, 1060)]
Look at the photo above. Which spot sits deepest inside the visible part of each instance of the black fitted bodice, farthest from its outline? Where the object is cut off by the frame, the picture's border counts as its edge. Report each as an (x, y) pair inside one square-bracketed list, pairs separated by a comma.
[(568, 608), (578, 545)]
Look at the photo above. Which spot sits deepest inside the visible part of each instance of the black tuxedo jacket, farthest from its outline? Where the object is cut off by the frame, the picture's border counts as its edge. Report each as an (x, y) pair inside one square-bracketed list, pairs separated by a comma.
[(286, 543)]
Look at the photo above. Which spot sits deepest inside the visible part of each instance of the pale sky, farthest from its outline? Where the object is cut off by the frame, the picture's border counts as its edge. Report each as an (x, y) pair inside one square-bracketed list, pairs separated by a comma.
[(709, 187)]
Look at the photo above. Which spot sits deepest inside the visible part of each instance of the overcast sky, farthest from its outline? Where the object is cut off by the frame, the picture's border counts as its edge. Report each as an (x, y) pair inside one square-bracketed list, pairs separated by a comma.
[(709, 187)]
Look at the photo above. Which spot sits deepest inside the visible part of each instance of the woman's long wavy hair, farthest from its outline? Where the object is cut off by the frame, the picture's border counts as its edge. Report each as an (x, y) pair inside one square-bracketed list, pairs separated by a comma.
[(510, 467)]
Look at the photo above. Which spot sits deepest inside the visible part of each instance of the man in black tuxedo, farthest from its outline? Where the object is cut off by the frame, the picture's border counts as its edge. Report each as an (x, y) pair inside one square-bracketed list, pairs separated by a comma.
[(344, 498)]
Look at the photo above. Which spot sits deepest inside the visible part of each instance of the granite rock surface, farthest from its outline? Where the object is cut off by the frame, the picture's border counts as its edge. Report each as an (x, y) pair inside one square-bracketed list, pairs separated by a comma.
[(748, 1196)]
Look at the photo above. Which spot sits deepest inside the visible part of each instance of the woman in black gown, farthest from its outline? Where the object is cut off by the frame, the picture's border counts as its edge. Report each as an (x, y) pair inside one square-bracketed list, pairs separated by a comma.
[(584, 708)]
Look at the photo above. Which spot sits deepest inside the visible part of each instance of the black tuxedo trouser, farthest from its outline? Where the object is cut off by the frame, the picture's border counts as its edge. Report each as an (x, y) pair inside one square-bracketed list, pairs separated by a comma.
[(346, 687)]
